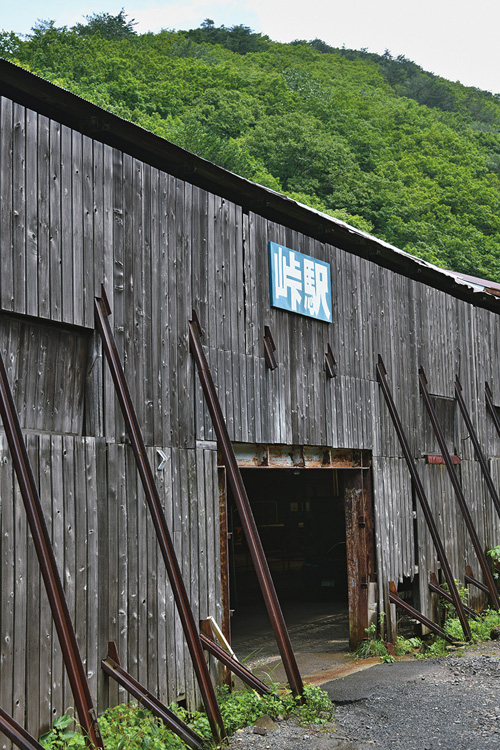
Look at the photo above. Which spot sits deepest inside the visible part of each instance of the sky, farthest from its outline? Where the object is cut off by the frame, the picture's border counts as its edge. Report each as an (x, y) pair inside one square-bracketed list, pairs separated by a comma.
[(451, 38)]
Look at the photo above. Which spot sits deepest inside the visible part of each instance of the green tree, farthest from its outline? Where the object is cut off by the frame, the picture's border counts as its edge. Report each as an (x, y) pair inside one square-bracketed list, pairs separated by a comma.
[(108, 26)]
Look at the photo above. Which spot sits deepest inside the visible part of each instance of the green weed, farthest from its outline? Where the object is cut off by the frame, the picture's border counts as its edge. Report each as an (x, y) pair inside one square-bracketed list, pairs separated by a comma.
[(495, 556), (130, 727), (480, 629), (62, 735)]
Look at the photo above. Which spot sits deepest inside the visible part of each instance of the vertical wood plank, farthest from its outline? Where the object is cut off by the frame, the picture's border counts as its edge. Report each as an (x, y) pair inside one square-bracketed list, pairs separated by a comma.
[(132, 564), (34, 597), (21, 610), (81, 533), (106, 551), (164, 303), (184, 308), (142, 586), (31, 213), (150, 331), (19, 209), (7, 579), (77, 227), (172, 309), (100, 181), (93, 663), (68, 571), (67, 248), (58, 545), (43, 216), (88, 231), (6, 214), (47, 631), (153, 598), (55, 247)]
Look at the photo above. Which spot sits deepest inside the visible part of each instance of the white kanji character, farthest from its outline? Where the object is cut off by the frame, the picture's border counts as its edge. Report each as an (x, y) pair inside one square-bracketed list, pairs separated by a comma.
[(288, 276), (309, 282), (316, 287)]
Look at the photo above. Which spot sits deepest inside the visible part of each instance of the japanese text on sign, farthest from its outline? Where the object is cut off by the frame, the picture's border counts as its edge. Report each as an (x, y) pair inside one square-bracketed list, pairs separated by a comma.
[(299, 283)]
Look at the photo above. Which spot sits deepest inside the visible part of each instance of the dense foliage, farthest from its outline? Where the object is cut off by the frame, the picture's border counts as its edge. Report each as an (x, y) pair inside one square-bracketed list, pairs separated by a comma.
[(372, 139)]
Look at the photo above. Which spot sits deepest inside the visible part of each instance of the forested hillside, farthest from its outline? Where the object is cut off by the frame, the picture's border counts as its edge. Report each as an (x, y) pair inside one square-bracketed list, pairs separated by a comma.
[(374, 140)]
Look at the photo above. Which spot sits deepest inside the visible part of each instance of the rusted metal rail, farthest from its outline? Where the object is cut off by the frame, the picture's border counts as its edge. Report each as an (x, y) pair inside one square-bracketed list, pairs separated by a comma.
[(48, 566), (491, 407), (245, 512), (233, 665), (17, 734), (394, 598), (111, 665), (490, 583), (479, 453), (422, 497), (102, 311), (470, 578), (437, 589)]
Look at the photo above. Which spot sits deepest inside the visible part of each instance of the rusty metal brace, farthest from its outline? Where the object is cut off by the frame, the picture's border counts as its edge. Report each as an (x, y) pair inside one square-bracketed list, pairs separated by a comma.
[(469, 578), (394, 598), (102, 312), (245, 511), (458, 491), (17, 734), (479, 453), (48, 566), (437, 589), (422, 497), (111, 665), (233, 665)]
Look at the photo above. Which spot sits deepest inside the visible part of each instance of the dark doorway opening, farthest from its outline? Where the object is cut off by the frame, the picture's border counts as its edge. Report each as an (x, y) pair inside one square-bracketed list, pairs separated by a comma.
[(300, 515)]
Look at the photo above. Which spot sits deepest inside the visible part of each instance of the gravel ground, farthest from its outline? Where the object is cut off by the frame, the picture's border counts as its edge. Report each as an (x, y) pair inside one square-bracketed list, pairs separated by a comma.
[(451, 703)]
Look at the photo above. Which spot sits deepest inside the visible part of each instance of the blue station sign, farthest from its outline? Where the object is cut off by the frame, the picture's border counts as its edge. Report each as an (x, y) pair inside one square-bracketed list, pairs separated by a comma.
[(299, 283)]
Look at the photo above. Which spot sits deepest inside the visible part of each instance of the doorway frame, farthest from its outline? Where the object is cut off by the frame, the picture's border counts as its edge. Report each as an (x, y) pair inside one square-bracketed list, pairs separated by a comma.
[(355, 472)]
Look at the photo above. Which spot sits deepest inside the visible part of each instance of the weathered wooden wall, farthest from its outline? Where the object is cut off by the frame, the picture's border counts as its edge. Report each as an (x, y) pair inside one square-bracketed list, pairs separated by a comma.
[(75, 214), (113, 574)]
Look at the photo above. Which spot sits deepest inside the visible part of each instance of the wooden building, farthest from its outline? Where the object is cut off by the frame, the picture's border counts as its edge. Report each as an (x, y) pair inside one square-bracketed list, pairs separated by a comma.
[(87, 199)]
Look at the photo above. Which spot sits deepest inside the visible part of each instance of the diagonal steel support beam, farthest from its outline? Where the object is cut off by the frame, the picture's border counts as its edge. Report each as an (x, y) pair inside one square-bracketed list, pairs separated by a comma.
[(245, 512), (233, 665), (111, 665), (458, 491), (394, 598), (437, 589), (479, 453), (470, 578), (48, 566), (16, 733), (422, 497), (102, 312)]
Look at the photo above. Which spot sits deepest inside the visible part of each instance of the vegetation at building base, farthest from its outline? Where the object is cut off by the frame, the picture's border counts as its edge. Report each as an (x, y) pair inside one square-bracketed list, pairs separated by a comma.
[(371, 139), (373, 645), (131, 727), (481, 628), (495, 556)]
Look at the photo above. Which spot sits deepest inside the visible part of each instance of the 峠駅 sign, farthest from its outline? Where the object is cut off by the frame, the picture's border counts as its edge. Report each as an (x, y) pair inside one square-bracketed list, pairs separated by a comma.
[(299, 283)]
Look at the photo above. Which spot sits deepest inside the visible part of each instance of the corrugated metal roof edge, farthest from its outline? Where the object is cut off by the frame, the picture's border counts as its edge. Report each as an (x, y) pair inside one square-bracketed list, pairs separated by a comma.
[(59, 104)]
